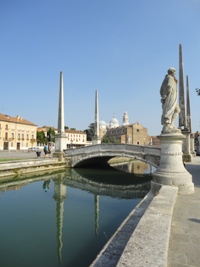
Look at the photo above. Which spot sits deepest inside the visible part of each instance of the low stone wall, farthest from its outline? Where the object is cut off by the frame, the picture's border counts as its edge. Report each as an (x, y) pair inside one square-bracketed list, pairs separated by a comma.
[(19, 167), (143, 238)]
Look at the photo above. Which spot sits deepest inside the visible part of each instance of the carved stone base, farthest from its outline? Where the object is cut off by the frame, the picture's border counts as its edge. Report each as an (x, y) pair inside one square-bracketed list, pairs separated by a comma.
[(171, 170), (60, 141)]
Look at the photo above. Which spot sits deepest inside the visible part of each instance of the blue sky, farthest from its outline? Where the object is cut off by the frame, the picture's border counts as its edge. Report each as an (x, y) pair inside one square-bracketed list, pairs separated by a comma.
[(122, 48)]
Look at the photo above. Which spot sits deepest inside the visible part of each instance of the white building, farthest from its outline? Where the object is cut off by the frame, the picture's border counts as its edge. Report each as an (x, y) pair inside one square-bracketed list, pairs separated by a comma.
[(75, 138)]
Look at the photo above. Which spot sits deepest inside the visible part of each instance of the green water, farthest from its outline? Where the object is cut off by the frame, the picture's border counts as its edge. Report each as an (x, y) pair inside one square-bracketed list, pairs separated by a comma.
[(68, 223)]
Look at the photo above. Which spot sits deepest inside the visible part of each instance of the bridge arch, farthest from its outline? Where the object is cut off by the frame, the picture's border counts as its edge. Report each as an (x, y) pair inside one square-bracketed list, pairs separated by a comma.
[(98, 155)]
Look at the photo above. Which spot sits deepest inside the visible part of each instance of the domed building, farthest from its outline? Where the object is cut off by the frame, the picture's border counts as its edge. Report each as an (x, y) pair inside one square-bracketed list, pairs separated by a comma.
[(135, 133), (125, 118), (114, 123), (103, 126)]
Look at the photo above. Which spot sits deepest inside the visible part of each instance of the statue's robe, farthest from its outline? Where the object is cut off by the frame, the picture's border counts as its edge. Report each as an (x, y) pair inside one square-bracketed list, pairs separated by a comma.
[(168, 92)]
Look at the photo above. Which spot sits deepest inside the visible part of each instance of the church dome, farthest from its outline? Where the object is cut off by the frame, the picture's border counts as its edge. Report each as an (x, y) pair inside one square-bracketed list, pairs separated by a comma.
[(113, 123), (102, 124)]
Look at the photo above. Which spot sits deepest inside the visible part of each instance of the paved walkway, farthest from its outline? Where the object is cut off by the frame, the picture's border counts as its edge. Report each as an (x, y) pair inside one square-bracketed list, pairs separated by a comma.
[(184, 248), (19, 154)]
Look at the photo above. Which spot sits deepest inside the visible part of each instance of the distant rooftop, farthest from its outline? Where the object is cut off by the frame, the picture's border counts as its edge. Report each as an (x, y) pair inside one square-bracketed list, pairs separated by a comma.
[(17, 119)]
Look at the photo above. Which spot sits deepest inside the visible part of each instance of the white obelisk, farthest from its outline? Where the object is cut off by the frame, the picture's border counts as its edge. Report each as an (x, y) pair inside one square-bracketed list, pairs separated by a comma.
[(60, 138)]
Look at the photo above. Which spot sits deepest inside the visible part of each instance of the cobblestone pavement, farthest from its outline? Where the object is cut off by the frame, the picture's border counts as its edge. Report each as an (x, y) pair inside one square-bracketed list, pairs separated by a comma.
[(184, 247)]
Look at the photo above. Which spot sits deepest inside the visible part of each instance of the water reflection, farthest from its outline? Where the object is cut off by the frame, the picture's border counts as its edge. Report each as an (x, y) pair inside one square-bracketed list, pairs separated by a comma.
[(74, 179), (60, 193), (46, 185), (75, 243), (96, 201), (135, 166)]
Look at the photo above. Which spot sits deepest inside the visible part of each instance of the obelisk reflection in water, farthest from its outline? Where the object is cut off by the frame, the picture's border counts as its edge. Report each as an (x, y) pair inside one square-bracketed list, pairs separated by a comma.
[(69, 223)]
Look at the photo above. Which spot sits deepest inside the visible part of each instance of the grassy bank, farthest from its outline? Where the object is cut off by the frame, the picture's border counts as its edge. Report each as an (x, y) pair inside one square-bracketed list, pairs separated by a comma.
[(10, 159)]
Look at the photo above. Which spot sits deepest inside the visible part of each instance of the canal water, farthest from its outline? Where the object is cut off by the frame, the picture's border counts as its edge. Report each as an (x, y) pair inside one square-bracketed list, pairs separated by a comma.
[(64, 218)]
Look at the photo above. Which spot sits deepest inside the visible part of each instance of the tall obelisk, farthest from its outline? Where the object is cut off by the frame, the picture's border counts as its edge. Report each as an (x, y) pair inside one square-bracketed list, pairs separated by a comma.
[(182, 120), (188, 106), (60, 137), (61, 106), (182, 115), (189, 124), (96, 139)]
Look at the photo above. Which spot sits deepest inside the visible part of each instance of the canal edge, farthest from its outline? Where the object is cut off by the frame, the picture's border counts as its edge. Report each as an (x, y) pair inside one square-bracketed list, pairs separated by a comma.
[(143, 237)]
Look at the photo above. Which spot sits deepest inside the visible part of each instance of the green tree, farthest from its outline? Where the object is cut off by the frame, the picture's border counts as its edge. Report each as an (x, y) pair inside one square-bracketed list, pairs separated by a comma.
[(51, 135), (66, 127), (41, 139), (90, 132), (73, 129), (198, 91), (110, 140)]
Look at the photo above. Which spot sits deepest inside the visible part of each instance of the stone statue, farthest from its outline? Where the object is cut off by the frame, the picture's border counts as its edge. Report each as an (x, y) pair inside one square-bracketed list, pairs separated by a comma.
[(170, 108)]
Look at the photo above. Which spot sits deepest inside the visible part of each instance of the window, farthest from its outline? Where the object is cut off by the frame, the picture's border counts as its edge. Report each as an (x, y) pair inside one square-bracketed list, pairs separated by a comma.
[(6, 126), (12, 135), (19, 136), (138, 130), (138, 142)]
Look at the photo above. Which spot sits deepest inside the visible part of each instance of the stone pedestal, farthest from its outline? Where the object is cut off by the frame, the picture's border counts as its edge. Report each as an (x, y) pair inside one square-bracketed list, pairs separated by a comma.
[(60, 142), (171, 170), (96, 141), (60, 145)]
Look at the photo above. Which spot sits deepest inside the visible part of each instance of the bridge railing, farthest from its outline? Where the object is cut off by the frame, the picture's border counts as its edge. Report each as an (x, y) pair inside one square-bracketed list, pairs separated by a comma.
[(148, 150)]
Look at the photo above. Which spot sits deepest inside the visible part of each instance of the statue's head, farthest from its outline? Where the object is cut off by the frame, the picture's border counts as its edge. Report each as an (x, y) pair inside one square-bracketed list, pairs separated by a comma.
[(172, 71)]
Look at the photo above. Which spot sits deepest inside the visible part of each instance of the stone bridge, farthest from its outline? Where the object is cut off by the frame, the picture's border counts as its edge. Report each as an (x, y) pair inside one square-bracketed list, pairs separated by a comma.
[(98, 155)]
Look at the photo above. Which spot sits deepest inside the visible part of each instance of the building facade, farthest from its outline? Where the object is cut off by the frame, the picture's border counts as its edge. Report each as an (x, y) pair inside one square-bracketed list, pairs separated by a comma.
[(135, 133), (75, 138), (16, 133)]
